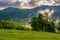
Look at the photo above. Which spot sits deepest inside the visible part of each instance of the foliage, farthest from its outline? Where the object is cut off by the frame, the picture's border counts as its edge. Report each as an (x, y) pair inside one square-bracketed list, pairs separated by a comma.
[(34, 24), (12, 25), (43, 23), (59, 26)]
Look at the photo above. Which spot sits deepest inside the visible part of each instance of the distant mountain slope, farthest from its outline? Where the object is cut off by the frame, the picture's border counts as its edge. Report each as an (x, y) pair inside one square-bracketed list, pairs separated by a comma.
[(56, 8), (18, 15), (23, 15)]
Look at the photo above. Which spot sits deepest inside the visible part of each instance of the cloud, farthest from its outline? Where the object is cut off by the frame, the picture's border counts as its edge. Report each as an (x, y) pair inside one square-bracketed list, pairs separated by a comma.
[(50, 12), (58, 1), (28, 3), (7, 2)]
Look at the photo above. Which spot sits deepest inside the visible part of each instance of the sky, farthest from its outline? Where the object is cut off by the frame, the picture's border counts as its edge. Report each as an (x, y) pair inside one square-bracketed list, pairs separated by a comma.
[(27, 3)]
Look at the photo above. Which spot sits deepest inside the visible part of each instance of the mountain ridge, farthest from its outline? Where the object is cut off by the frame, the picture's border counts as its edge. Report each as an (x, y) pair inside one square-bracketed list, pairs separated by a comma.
[(24, 15)]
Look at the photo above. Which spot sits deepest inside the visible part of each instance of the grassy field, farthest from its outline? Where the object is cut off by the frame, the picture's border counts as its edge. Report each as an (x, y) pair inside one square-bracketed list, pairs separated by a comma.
[(27, 35)]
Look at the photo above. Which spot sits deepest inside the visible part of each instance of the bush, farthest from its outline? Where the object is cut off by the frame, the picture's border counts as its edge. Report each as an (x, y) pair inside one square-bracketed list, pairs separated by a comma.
[(22, 27), (12, 25)]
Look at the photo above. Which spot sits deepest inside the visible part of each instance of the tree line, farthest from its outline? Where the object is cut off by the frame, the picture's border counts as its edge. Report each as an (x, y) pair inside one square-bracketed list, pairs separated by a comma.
[(12, 25)]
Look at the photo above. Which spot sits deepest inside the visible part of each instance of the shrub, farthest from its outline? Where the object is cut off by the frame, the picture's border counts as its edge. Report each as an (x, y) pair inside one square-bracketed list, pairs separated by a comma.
[(12, 25), (22, 27)]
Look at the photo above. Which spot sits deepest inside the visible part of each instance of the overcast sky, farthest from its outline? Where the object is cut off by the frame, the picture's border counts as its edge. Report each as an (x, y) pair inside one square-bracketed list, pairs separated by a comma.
[(24, 3)]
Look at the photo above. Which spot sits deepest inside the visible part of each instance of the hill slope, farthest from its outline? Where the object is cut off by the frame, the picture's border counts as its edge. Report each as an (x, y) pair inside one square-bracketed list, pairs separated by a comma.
[(23, 15), (27, 35), (16, 14)]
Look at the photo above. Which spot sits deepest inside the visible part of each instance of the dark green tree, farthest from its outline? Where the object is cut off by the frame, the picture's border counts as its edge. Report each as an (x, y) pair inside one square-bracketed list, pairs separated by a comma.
[(40, 21), (59, 26), (34, 24), (43, 23), (50, 27)]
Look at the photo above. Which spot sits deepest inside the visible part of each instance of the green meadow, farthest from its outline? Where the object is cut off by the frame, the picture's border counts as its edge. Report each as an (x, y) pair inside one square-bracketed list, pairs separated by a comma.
[(7, 34)]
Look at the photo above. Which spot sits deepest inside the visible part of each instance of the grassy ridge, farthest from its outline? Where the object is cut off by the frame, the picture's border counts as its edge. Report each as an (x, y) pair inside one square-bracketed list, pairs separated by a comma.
[(27, 35)]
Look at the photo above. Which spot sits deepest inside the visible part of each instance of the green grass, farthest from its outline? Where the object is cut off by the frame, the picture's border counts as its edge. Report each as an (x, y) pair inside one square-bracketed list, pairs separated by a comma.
[(6, 34)]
